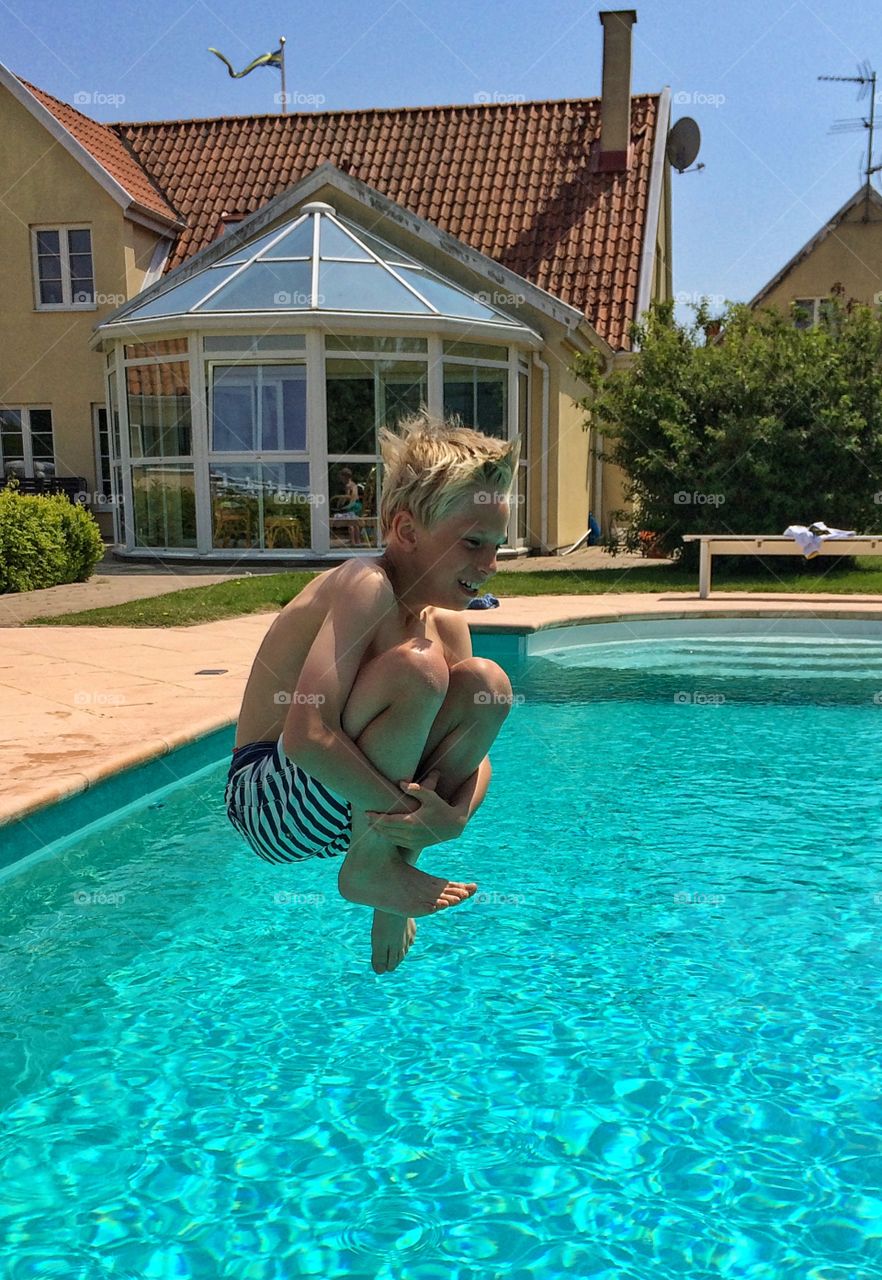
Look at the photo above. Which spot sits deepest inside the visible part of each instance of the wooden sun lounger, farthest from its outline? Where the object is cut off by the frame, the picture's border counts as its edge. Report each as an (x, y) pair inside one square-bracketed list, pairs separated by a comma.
[(743, 544)]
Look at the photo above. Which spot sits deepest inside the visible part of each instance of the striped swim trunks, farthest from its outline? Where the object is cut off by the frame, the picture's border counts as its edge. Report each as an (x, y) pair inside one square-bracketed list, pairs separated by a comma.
[(283, 813)]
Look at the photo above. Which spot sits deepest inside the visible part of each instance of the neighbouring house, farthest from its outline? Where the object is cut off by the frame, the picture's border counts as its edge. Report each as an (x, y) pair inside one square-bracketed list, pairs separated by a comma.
[(843, 259), (209, 319)]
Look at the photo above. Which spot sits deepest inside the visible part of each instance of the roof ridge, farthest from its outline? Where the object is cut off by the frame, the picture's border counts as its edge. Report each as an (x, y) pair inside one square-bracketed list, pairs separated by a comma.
[(366, 111)]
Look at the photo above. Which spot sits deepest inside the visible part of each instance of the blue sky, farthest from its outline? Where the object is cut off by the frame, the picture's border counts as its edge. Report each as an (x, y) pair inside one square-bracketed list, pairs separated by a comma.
[(746, 72)]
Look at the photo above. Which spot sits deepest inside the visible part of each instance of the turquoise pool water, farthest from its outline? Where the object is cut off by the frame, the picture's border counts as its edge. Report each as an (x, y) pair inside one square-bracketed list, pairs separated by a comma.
[(650, 1051)]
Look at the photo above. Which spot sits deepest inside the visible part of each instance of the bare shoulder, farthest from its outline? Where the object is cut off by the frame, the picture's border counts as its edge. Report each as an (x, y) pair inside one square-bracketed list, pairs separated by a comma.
[(454, 632), (361, 583), (351, 583)]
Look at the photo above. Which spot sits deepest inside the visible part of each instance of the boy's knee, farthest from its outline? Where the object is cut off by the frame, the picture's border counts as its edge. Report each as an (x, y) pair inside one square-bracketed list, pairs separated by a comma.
[(419, 670), (484, 682)]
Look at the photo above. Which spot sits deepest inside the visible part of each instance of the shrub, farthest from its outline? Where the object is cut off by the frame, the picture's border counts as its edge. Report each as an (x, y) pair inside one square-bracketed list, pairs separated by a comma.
[(768, 426), (45, 541)]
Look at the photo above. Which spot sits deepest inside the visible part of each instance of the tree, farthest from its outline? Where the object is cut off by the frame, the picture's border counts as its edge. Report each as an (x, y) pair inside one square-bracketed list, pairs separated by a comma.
[(764, 426)]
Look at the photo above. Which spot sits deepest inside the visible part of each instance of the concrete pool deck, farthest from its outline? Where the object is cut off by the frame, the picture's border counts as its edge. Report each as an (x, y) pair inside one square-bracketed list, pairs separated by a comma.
[(83, 703)]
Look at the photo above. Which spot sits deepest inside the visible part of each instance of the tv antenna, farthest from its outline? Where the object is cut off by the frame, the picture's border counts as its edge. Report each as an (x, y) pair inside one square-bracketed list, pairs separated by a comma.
[(866, 78)]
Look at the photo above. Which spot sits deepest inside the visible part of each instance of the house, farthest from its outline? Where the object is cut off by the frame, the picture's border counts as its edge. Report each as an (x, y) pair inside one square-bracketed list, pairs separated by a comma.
[(208, 319), (843, 258)]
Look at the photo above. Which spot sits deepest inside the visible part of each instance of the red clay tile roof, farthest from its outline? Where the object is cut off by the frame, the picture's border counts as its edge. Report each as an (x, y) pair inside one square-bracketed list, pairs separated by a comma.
[(512, 180), (110, 151)]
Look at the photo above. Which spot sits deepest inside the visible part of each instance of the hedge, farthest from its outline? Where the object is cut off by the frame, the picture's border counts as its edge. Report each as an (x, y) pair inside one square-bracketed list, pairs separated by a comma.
[(45, 541)]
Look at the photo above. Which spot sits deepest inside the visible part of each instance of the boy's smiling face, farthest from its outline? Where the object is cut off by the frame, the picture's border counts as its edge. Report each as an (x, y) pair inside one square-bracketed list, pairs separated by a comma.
[(447, 565)]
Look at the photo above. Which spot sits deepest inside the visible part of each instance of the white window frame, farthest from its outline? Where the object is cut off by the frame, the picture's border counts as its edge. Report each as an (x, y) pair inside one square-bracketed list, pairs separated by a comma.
[(511, 366), (101, 502), (67, 303), (27, 442), (215, 460), (522, 369), (500, 366), (178, 357), (374, 358), (259, 361)]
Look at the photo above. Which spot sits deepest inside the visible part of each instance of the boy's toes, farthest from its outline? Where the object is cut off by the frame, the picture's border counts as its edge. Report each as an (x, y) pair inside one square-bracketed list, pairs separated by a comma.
[(453, 893), (389, 961)]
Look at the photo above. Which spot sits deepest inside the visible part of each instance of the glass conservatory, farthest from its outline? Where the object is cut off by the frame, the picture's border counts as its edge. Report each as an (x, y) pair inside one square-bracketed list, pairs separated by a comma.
[(246, 390)]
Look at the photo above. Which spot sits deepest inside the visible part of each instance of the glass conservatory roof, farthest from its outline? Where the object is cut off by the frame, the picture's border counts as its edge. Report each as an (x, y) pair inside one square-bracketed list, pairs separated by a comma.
[(318, 262)]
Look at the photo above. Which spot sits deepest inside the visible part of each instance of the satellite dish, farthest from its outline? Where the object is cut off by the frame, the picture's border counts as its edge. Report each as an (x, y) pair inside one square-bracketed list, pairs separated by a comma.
[(683, 143)]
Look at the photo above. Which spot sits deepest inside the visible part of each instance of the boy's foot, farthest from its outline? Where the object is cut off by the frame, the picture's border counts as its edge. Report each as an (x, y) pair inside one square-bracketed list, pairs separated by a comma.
[(391, 937), (386, 881)]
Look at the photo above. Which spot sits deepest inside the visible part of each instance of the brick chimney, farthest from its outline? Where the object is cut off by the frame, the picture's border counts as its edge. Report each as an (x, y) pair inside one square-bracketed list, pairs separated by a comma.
[(615, 107)]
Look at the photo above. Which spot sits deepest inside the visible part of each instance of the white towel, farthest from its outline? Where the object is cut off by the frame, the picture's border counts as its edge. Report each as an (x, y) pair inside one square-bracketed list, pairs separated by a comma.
[(810, 539)]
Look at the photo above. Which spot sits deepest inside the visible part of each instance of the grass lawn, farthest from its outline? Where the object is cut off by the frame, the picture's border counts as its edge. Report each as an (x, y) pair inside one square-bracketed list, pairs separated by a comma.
[(269, 592)]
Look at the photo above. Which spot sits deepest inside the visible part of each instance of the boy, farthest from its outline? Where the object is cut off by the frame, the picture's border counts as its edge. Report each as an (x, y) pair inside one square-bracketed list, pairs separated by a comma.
[(366, 681), (349, 499)]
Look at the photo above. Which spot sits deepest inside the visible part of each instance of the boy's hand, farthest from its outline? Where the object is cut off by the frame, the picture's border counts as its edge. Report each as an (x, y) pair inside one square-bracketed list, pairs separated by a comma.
[(432, 823)]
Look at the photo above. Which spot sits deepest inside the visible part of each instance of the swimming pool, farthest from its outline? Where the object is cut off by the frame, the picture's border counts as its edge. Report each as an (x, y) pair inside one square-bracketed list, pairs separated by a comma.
[(650, 1049)]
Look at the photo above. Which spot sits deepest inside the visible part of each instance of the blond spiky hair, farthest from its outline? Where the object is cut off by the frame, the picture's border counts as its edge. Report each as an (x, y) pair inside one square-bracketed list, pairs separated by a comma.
[(430, 463)]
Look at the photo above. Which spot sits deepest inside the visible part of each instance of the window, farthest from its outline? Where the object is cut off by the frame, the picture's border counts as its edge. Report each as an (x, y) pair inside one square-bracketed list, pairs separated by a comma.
[(258, 408), (390, 346), (807, 312), (63, 274), (365, 394), (161, 347), (476, 351), (523, 461), (246, 344), (476, 386), (478, 396), (26, 445), (159, 409), (265, 505), (164, 498), (114, 444), (362, 395), (102, 456)]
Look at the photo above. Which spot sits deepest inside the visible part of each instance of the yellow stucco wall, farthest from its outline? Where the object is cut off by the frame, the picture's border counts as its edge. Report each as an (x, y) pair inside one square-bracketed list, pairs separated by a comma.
[(139, 244), (44, 355), (851, 256), (662, 271), (575, 466), (570, 466)]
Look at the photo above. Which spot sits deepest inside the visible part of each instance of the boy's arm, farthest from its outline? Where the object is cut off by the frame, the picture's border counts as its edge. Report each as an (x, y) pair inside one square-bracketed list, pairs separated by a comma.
[(313, 734)]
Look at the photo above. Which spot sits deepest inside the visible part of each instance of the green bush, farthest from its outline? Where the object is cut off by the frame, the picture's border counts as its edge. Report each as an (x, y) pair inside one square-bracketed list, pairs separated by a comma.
[(45, 541), (768, 426)]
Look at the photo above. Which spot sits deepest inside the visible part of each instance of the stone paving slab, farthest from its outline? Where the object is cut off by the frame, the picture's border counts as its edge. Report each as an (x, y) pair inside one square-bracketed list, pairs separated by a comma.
[(80, 703), (140, 697)]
